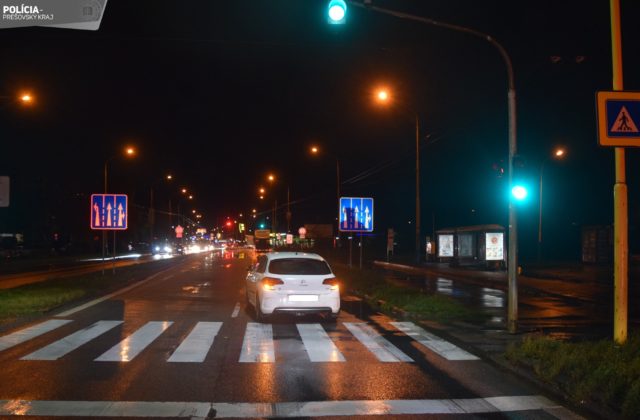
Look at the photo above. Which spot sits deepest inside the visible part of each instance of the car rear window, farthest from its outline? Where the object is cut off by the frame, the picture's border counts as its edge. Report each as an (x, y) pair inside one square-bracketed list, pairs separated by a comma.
[(299, 266)]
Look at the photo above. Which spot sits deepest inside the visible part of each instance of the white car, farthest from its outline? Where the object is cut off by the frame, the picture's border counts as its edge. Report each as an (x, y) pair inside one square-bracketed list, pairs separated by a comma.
[(292, 282)]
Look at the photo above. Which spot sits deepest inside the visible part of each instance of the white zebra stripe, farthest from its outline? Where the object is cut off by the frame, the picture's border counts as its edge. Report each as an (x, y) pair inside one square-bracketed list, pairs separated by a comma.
[(28, 333), (318, 345), (378, 345), (195, 347), (71, 342), (130, 347)]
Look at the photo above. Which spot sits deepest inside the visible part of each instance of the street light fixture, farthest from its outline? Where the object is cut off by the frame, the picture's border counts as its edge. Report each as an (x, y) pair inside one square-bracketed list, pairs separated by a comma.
[(512, 276), (129, 151), (559, 153)]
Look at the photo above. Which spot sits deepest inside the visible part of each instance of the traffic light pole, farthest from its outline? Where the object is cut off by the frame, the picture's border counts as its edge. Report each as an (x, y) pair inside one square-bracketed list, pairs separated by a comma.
[(512, 319)]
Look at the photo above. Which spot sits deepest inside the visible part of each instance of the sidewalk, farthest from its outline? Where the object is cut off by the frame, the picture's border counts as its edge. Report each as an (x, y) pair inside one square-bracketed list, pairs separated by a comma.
[(571, 283)]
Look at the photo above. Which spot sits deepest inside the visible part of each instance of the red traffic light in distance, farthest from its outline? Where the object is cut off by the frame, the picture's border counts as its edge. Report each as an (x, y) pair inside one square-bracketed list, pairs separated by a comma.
[(228, 223)]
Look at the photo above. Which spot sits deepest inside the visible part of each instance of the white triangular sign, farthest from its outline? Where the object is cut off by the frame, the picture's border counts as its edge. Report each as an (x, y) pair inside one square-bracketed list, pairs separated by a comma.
[(624, 123)]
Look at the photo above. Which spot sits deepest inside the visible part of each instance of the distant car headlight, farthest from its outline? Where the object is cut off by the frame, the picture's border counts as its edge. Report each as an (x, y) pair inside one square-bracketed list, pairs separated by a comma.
[(157, 248), (167, 249)]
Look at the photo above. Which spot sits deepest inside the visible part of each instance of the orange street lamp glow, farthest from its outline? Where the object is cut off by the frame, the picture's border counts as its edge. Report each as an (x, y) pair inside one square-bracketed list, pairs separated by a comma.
[(169, 177), (184, 191), (193, 211), (262, 197), (190, 197), (130, 151), (271, 178), (383, 95), (26, 98), (261, 190), (314, 150), (560, 152), (254, 210)]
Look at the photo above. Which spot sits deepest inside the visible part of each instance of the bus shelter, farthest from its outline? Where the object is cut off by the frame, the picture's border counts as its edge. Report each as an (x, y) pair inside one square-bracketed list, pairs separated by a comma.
[(482, 246)]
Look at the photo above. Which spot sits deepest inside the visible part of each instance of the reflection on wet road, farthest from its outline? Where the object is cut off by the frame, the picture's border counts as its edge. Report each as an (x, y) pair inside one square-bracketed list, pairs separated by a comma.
[(555, 314)]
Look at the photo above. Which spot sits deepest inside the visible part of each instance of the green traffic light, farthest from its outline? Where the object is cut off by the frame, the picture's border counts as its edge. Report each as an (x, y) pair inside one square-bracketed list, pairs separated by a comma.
[(337, 12), (261, 225), (519, 192)]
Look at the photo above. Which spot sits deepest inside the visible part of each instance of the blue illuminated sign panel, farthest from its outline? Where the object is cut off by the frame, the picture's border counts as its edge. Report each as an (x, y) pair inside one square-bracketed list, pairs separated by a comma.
[(356, 214), (109, 211)]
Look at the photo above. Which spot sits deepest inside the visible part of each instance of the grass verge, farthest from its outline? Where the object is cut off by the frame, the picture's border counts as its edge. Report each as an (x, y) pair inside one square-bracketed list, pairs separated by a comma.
[(599, 371), (38, 298), (372, 284)]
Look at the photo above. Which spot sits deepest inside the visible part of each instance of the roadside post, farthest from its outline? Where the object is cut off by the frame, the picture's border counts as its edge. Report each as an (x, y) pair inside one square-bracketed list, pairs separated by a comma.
[(109, 212), (618, 122), (355, 215)]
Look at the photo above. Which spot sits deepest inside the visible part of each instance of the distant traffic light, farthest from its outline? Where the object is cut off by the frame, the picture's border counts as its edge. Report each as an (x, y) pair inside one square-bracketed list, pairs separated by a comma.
[(228, 223), (337, 11), (261, 225), (519, 192)]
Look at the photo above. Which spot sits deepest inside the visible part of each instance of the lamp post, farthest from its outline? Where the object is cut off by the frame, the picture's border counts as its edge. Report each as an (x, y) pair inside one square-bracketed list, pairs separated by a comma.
[(512, 313), (383, 96), (315, 150), (558, 154), (129, 152)]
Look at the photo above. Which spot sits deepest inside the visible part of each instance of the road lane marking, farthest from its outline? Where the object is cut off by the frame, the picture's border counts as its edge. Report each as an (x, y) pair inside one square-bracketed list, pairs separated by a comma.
[(28, 333), (71, 342), (319, 346), (109, 296), (257, 345), (131, 346), (433, 342), (157, 409), (236, 310), (195, 347), (378, 345)]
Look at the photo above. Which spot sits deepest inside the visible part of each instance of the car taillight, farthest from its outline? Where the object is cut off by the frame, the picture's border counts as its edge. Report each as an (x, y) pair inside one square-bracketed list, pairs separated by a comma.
[(270, 283), (332, 283)]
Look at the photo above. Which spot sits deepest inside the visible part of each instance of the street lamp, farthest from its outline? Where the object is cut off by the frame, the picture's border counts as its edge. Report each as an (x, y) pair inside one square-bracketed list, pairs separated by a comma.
[(512, 313), (315, 151), (129, 151), (557, 154), (383, 97)]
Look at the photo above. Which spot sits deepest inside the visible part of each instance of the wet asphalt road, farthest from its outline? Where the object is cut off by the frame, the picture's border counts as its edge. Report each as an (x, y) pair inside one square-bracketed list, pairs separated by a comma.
[(129, 359)]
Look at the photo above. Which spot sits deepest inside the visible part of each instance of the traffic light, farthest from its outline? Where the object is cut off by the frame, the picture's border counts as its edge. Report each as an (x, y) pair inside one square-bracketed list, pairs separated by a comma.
[(519, 192), (261, 225), (337, 11)]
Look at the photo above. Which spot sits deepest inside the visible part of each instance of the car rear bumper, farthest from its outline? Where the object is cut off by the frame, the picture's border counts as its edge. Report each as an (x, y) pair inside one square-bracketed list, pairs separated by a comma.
[(271, 302)]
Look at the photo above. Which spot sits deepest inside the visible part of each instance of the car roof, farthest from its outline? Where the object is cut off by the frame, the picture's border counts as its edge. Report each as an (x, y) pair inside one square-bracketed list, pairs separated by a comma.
[(281, 255)]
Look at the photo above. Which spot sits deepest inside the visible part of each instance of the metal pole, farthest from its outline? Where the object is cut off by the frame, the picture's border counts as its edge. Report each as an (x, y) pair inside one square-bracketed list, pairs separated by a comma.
[(113, 265), (417, 190), (540, 213), (335, 241), (350, 250), (104, 233), (512, 265), (288, 209), (361, 246), (620, 210)]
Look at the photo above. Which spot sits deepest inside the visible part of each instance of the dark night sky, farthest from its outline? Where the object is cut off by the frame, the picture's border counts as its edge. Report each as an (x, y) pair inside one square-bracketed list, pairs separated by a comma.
[(220, 92)]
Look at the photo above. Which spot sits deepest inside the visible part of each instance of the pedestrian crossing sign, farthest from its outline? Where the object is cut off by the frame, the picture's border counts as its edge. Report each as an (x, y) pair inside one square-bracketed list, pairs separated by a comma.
[(618, 118), (109, 211)]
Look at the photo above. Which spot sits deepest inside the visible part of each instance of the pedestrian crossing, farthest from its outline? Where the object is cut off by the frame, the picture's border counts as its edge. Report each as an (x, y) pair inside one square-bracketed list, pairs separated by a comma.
[(259, 344)]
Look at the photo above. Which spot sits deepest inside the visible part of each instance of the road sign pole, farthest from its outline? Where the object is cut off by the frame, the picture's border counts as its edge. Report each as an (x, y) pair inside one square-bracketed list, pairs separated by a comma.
[(361, 246), (350, 249), (620, 212), (113, 265)]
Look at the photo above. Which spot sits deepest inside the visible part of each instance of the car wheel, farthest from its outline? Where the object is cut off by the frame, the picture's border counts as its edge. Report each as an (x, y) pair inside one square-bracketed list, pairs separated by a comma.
[(333, 317), (260, 317)]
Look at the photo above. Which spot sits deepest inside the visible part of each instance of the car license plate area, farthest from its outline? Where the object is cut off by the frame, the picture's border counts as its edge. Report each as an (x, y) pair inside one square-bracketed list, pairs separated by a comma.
[(303, 298)]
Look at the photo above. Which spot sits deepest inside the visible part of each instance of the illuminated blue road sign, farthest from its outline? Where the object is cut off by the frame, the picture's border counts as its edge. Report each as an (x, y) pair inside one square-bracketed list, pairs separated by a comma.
[(618, 118), (356, 214), (109, 211)]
